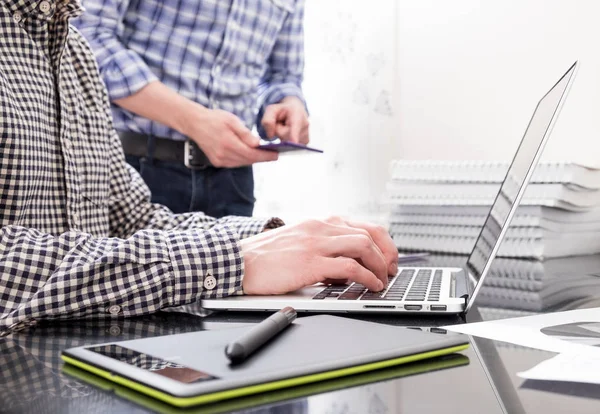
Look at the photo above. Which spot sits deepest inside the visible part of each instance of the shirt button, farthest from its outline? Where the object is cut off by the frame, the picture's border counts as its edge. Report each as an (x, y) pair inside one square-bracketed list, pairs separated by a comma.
[(217, 70), (210, 282), (67, 144), (44, 7), (17, 17), (75, 217), (114, 310)]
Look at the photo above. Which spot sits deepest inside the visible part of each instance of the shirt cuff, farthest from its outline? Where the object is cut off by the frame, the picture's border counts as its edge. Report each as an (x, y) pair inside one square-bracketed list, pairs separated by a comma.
[(276, 93), (250, 226), (207, 264), (126, 74)]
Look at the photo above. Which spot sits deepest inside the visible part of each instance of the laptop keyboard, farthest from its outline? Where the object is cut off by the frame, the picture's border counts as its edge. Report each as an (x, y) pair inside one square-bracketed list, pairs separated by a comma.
[(410, 285)]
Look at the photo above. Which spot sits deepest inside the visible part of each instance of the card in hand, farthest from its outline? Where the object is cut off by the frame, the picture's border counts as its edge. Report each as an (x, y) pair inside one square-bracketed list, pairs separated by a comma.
[(284, 146)]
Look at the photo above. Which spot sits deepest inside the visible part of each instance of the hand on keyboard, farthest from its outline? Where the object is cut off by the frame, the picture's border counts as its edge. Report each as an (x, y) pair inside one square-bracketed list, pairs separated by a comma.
[(291, 257), (379, 235)]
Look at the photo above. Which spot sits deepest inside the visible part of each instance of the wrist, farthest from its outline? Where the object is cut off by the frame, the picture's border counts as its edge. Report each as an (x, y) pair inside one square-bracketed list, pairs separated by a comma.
[(294, 100), (187, 116)]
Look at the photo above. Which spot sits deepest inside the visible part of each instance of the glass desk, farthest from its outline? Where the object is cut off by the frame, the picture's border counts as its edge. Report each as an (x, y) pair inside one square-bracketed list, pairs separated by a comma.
[(33, 379)]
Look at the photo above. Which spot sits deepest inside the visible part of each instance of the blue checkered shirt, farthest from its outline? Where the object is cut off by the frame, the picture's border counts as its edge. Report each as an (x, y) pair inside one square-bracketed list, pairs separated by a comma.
[(79, 236), (235, 55)]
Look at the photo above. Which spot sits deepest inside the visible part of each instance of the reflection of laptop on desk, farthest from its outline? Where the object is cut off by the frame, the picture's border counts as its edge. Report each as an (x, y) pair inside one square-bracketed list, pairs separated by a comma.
[(434, 290)]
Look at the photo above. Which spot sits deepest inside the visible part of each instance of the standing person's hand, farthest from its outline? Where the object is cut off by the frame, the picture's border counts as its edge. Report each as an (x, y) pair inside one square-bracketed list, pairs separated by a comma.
[(288, 258), (287, 120), (224, 138), (221, 135)]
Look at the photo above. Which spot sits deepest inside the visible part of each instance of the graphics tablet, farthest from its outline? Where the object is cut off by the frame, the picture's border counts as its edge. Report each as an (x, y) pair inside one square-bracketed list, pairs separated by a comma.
[(191, 369), (277, 396)]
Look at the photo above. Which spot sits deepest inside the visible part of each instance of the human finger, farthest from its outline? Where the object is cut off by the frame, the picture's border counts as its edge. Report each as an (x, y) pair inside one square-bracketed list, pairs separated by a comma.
[(342, 268)]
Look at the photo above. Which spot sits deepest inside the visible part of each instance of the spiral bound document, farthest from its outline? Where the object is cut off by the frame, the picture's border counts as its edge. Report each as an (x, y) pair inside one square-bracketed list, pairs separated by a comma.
[(441, 206), (514, 232), (456, 216), (492, 172), (481, 212), (558, 246), (566, 196)]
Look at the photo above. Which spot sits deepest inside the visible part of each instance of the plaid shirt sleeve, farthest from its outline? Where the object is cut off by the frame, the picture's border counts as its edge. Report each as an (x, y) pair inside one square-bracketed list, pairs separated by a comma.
[(149, 259), (122, 69), (284, 73), (155, 259)]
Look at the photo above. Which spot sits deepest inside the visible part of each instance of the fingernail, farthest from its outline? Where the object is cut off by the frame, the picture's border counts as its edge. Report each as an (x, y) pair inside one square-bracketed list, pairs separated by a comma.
[(380, 285), (393, 268)]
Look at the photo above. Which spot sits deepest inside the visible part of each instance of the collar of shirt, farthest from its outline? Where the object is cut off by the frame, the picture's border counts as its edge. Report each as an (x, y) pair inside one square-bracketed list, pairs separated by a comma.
[(44, 10)]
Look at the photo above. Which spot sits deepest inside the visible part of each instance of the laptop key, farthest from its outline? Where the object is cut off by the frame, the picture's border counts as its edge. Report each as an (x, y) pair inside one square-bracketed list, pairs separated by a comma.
[(371, 296), (350, 295)]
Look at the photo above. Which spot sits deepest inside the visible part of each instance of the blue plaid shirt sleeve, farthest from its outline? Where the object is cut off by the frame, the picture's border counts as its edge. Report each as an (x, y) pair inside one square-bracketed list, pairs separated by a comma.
[(284, 73), (122, 69)]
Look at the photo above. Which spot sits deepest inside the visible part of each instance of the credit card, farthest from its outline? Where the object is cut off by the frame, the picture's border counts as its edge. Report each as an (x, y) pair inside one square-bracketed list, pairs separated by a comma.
[(285, 146)]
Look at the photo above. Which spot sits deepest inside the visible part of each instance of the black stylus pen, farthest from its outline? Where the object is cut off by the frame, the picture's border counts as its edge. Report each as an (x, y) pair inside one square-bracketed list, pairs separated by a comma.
[(240, 349)]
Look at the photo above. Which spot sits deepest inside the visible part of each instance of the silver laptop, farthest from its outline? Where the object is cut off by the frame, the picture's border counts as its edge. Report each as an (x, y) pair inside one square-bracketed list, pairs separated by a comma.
[(432, 290)]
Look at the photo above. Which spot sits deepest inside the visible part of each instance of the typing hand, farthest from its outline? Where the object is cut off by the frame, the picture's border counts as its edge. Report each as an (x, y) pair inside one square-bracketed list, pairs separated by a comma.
[(224, 138), (291, 257), (287, 120)]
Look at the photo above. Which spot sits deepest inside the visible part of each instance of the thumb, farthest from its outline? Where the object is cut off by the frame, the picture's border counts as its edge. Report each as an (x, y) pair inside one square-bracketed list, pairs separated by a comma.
[(245, 135)]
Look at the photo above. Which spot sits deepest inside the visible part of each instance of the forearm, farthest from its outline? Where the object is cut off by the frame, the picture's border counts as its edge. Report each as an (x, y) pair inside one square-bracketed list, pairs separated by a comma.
[(159, 103)]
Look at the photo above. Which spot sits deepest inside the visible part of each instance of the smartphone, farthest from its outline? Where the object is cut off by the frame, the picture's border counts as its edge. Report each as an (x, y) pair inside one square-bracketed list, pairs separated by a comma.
[(285, 146)]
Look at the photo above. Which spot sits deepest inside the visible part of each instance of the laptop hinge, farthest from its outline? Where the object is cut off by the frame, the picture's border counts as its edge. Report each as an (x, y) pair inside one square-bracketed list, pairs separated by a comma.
[(462, 287)]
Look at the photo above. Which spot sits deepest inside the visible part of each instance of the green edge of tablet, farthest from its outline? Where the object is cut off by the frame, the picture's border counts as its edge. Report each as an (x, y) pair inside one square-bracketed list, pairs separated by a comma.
[(258, 388)]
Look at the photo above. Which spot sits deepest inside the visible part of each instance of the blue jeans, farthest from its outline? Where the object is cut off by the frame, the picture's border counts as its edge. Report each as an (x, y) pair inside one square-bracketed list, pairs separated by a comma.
[(217, 192)]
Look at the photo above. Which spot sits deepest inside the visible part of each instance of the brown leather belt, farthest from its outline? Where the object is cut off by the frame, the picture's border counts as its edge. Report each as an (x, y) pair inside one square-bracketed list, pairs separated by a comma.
[(164, 149)]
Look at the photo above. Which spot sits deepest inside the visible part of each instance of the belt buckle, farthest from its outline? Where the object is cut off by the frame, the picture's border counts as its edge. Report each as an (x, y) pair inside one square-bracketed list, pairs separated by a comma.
[(190, 149)]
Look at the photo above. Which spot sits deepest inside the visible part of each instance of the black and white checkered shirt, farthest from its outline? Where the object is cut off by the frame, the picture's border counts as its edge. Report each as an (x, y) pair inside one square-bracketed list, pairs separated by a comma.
[(79, 236)]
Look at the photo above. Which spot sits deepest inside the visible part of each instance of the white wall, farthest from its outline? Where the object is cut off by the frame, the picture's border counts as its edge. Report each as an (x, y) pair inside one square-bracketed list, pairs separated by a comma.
[(471, 71), (349, 85), (431, 79)]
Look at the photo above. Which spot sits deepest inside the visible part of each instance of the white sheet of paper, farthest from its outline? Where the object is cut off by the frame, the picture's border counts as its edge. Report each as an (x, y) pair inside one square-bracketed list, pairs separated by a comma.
[(567, 367), (526, 331)]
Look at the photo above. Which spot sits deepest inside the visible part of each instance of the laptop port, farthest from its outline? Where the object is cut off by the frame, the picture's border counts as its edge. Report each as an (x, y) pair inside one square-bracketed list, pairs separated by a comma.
[(413, 307), (379, 307), (438, 307)]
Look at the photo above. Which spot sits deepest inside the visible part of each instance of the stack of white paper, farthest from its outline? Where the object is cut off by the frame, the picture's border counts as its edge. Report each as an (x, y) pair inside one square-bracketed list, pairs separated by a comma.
[(440, 206)]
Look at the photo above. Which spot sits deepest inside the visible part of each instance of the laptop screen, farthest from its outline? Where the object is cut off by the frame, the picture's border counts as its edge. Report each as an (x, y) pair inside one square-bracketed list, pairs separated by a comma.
[(514, 183)]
